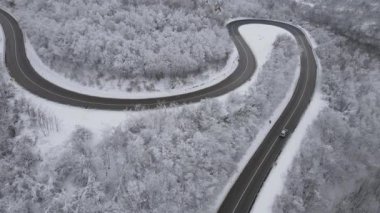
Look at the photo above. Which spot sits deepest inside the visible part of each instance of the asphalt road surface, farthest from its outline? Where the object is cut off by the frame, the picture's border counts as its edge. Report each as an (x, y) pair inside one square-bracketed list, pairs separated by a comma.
[(25, 75), (244, 191)]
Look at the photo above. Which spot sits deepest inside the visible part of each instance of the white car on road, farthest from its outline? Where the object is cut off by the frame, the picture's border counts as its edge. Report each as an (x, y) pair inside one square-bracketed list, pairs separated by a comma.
[(284, 133)]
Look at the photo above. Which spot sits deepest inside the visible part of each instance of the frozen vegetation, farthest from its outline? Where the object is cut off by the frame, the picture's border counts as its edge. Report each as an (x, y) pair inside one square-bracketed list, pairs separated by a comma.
[(358, 20), (170, 160), (95, 42), (117, 88), (337, 169), (181, 166), (122, 38)]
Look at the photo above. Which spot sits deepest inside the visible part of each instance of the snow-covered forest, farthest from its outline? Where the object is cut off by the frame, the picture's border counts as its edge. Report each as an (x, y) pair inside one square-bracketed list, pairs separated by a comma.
[(92, 40), (178, 160), (170, 160), (358, 19), (88, 40), (337, 169)]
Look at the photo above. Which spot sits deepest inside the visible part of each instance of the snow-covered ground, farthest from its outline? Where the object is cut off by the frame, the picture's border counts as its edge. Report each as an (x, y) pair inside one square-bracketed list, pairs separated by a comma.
[(96, 121), (68, 117), (310, 4), (274, 184), (259, 38), (213, 77)]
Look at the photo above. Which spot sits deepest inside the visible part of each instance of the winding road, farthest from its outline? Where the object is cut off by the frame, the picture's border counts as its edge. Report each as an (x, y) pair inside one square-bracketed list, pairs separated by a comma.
[(25, 75), (244, 191)]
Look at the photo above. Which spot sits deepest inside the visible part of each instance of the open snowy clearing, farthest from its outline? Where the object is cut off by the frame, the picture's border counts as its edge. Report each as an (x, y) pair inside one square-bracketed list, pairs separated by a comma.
[(260, 38)]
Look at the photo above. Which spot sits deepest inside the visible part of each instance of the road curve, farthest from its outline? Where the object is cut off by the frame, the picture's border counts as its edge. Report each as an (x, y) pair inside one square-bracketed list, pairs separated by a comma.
[(25, 75), (244, 191)]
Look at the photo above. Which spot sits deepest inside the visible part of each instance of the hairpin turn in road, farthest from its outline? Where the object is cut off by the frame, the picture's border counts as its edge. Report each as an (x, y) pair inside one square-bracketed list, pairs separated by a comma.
[(244, 191)]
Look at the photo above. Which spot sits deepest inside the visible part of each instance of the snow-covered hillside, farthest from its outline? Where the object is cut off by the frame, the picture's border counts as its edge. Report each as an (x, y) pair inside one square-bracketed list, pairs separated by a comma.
[(338, 156), (129, 46), (56, 158), (359, 20), (89, 150), (119, 88)]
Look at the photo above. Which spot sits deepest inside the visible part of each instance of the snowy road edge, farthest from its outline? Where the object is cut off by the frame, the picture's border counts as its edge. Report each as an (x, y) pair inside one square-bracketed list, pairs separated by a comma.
[(58, 79), (50, 75), (276, 179), (259, 136)]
